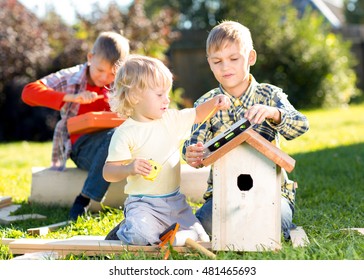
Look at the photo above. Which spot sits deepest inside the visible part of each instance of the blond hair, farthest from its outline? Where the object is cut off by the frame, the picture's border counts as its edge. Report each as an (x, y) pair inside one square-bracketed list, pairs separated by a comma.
[(111, 46), (228, 32), (136, 74)]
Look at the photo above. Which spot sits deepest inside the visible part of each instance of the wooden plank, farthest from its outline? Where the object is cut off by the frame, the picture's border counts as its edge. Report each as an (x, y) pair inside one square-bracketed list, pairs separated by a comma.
[(299, 237), (38, 256), (6, 241), (16, 218), (6, 211), (88, 247), (360, 230), (6, 218), (46, 229), (5, 201), (259, 143)]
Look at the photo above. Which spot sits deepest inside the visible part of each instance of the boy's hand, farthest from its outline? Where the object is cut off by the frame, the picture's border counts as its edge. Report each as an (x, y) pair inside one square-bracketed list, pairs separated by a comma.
[(139, 166), (84, 97), (259, 113), (194, 155), (222, 102)]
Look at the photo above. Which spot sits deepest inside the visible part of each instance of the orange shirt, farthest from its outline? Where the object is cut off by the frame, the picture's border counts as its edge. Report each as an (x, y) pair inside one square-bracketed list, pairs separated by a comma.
[(38, 94)]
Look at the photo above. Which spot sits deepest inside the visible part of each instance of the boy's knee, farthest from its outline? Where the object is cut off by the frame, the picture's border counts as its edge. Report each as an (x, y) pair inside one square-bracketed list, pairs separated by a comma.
[(131, 237), (135, 232)]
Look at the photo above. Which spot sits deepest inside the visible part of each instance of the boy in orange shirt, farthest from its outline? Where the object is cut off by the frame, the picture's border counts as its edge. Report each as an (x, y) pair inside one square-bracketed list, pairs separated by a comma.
[(75, 91)]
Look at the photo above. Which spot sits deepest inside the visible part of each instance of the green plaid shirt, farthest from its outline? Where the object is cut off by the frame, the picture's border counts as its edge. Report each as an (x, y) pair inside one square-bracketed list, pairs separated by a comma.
[(293, 123)]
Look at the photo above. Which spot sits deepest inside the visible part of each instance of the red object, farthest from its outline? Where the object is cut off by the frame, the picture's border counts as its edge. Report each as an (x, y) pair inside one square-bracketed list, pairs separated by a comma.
[(92, 122)]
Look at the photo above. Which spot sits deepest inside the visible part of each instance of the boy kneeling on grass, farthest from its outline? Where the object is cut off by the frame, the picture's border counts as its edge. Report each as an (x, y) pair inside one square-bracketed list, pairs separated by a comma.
[(146, 143), (230, 54)]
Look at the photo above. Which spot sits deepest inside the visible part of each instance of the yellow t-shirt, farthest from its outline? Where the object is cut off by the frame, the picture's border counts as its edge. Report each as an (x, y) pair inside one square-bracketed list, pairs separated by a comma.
[(159, 140)]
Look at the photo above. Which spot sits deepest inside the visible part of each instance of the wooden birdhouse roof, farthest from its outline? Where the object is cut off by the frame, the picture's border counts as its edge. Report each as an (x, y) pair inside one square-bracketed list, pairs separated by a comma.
[(259, 143)]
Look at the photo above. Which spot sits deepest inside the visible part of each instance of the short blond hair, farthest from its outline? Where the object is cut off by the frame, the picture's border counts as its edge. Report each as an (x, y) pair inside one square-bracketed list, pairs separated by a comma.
[(111, 47), (228, 32), (136, 74)]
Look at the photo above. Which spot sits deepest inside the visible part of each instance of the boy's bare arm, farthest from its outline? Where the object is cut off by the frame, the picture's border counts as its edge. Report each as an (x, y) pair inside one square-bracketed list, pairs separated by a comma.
[(115, 171), (210, 107)]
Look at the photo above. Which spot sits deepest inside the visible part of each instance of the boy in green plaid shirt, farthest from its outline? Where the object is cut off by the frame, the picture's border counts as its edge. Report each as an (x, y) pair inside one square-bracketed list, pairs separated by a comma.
[(230, 54)]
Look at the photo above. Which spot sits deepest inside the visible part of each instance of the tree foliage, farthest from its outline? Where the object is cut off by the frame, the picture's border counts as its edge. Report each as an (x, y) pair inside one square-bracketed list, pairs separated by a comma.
[(354, 11), (24, 51), (150, 36), (23, 42), (31, 48), (313, 65)]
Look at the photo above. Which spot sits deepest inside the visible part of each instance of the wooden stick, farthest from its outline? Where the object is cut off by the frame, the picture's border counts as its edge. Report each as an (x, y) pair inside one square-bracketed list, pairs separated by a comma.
[(193, 244)]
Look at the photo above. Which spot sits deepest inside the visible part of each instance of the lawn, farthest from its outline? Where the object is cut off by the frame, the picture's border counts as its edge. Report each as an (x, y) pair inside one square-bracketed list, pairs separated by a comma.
[(329, 171)]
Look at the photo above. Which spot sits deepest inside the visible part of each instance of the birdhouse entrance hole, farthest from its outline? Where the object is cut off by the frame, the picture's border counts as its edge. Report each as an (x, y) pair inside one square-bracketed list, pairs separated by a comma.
[(245, 182)]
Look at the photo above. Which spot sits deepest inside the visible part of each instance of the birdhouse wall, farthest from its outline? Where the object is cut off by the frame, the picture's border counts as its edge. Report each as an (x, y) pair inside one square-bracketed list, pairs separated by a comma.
[(246, 202)]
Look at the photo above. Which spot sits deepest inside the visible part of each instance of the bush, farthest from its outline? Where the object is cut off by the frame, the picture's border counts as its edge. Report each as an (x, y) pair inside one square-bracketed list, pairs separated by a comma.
[(313, 65), (303, 56)]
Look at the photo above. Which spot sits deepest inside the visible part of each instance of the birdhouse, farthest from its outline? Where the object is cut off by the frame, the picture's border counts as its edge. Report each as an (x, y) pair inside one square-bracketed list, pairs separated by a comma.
[(247, 193)]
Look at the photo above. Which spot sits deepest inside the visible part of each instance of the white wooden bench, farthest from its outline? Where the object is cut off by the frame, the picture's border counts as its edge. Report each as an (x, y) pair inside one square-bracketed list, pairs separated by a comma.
[(61, 188)]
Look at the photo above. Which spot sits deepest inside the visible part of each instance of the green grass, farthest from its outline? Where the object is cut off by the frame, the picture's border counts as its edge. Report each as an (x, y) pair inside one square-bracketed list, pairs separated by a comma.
[(329, 170)]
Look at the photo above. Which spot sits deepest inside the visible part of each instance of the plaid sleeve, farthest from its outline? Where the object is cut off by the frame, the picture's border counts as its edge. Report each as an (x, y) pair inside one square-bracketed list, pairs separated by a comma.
[(293, 123)]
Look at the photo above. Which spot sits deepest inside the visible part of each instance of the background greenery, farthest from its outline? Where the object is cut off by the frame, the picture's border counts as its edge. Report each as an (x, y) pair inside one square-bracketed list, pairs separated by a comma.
[(329, 168), (299, 53)]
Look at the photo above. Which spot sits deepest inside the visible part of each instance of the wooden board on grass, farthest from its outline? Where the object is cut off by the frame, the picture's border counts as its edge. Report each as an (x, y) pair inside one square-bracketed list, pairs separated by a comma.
[(360, 230), (89, 246), (299, 237), (7, 218), (5, 201)]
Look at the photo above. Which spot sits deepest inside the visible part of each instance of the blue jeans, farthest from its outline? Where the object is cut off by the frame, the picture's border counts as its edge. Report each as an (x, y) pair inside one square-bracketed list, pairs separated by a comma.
[(89, 153), (147, 217), (204, 215)]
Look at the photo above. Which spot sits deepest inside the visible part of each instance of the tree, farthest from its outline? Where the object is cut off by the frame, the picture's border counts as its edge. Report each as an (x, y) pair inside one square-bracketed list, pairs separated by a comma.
[(67, 48), (194, 14), (23, 42), (150, 36), (308, 63), (354, 11), (24, 50)]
